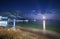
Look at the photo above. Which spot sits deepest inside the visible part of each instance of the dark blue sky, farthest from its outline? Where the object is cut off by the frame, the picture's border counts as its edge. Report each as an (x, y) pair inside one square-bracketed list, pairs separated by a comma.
[(29, 6)]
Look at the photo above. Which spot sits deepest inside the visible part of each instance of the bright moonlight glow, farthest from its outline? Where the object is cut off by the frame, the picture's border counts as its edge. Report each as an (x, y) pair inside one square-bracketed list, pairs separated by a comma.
[(44, 17)]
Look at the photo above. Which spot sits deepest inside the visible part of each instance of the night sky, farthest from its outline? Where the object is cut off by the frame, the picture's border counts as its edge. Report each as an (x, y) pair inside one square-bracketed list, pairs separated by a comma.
[(31, 8)]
